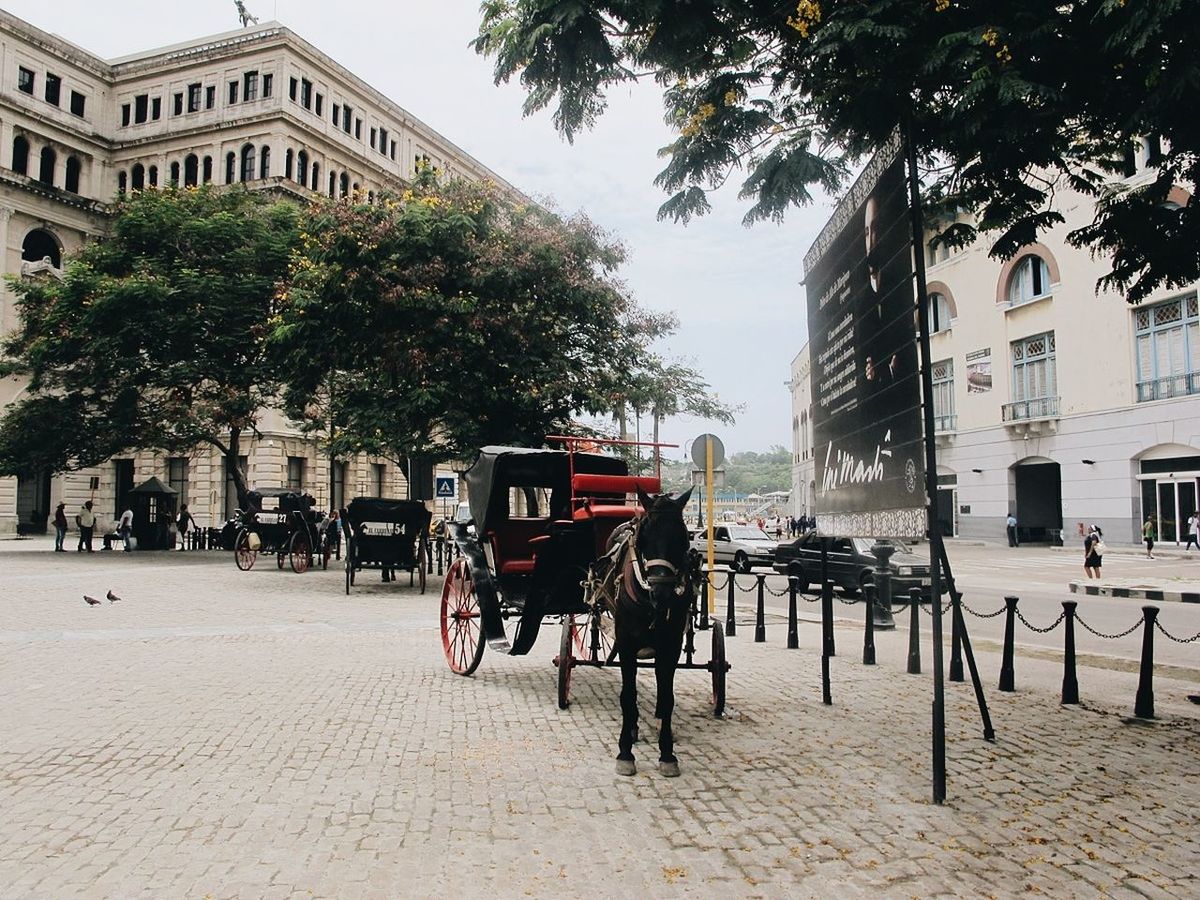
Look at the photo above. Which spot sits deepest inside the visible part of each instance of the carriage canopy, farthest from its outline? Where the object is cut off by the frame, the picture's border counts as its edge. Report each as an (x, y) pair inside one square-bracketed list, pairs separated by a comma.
[(281, 499), (376, 511)]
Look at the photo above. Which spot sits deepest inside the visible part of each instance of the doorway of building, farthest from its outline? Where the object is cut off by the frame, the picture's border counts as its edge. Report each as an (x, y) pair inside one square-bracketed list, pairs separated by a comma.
[(1038, 491), (1171, 502), (33, 503)]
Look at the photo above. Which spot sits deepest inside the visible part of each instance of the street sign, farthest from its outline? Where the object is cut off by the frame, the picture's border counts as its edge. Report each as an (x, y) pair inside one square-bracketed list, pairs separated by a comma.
[(700, 453), (446, 487)]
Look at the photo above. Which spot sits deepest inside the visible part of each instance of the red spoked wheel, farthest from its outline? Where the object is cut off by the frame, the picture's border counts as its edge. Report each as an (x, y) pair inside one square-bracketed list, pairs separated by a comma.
[(570, 648), (243, 556), (462, 622), (597, 637), (300, 551)]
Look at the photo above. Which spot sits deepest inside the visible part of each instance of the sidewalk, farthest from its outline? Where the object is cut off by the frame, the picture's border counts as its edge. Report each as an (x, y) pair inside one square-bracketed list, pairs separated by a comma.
[(1154, 589)]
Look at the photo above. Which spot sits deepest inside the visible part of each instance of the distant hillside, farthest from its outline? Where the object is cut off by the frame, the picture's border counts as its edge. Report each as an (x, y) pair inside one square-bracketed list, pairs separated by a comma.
[(748, 472)]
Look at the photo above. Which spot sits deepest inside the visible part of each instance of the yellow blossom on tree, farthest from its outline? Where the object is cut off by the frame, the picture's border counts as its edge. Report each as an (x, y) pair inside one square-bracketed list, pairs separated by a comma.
[(808, 14)]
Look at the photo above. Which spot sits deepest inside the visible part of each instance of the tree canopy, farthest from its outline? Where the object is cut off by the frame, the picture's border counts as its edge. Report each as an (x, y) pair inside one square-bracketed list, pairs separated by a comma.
[(155, 338), (1006, 103)]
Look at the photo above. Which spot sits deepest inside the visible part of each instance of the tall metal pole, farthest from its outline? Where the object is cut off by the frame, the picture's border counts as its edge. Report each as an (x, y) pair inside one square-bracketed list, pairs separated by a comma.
[(708, 502), (935, 537)]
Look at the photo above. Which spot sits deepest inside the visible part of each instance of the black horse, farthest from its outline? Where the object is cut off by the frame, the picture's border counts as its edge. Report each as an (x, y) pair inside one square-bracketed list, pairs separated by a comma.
[(650, 608)]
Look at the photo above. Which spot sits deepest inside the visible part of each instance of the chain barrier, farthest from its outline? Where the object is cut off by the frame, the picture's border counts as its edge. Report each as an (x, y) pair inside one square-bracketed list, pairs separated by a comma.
[(980, 615), (1062, 615), (747, 590), (849, 601), (782, 593), (1195, 637), (1112, 637), (929, 611), (720, 587)]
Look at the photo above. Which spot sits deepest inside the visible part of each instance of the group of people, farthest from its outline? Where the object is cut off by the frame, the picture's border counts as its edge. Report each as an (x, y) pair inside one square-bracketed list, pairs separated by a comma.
[(122, 530)]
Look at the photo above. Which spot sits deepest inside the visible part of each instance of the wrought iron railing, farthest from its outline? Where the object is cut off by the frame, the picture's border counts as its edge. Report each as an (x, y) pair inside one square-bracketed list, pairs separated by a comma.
[(945, 424), (1166, 388), (1037, 408)]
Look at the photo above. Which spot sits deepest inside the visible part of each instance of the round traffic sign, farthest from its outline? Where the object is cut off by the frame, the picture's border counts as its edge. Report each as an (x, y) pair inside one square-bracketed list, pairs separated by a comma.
[(700, 451)]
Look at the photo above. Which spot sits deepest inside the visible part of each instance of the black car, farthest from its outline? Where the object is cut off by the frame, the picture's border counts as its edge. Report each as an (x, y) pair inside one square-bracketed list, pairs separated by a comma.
[(851, 564)]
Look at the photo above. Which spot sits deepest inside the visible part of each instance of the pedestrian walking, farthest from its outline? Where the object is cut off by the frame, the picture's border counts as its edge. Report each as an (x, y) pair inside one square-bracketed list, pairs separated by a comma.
[(60, 527), (125, 528), (1193, 531), (183, 523), (1010, 525), (1093, 552), (85, 520), (1149, 535)]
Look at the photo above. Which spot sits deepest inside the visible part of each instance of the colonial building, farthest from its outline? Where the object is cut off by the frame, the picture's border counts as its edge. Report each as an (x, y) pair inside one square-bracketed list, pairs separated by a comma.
[(1054, 400), (258, 106), (803, 464)]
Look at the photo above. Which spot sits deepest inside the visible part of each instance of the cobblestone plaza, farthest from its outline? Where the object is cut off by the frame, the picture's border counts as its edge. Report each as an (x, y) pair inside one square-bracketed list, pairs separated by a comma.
[(260, 734)]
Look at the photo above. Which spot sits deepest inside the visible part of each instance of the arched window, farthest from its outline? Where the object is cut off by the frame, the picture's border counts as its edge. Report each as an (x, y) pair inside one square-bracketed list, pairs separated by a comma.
[(371, 197), (175, 174), (40, 244), (264, 162), (152, 176), (354, 190), (248, 162), (345, 184), (1029, 280), (332, 183), (138, 177), (941, 312), (302, 167), (73, 169), (288, 158), (122, 182), (315, 180), (208, 170), (46, 172), (20, 160), (230, 166), (191, 170)]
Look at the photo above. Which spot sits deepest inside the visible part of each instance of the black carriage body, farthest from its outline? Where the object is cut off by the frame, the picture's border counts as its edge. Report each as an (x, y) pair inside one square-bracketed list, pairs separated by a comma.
[(385, 534), (275, 514)]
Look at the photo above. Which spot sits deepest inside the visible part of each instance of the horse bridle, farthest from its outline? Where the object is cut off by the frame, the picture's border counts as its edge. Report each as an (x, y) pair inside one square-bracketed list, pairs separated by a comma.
[(646, 581)]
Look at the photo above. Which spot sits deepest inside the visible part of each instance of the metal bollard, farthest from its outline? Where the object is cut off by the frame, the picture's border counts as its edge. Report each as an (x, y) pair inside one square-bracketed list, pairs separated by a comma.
[(730, 618), (956, 665), (702, 598), (1006, 662), (869, 630), (793, 638), (1070, 686), (827, 646), (760, 614), (882, 609), (1143, 705), (441, 552), (914, 632)]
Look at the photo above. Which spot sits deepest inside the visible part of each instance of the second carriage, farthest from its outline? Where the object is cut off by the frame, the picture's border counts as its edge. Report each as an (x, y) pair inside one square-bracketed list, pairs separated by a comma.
[(282, 523), (387, 535)]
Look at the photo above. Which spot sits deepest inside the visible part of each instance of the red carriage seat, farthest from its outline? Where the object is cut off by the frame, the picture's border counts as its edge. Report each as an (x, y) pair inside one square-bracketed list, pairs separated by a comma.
[(603, 496), (513, 544)]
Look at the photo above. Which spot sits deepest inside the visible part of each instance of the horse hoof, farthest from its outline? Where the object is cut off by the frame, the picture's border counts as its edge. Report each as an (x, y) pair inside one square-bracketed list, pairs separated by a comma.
[(668, 769), (629, 767)]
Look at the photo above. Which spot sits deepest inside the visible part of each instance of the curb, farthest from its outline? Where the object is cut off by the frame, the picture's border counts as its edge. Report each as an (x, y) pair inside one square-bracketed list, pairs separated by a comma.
[(1108, 590)]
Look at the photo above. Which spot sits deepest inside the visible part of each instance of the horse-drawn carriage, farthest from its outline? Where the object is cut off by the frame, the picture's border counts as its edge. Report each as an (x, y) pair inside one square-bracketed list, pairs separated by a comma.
[(281, 522), (386, 535), (555, 535)]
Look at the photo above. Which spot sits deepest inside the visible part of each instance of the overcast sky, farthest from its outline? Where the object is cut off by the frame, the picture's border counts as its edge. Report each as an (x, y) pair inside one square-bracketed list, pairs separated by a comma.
[(736, 290)]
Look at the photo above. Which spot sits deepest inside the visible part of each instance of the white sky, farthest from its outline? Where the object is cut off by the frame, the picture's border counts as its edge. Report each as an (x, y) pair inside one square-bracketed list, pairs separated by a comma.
[(736, 290)]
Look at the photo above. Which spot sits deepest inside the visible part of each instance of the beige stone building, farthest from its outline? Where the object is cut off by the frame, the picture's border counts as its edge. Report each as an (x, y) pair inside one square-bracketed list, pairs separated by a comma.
[(258, 106), (1056, 401)]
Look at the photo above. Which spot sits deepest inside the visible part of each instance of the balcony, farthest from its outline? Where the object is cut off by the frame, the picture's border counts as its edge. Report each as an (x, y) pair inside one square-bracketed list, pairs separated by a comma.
[(1031, 416), (1166, 388), (944, 428)]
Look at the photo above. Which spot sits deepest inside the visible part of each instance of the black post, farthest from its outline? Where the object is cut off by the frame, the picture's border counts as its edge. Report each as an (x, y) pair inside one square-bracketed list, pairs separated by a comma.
[(989, 733), (956, 668), (826, 632), (702, 598), (882, 607), (760, 615), (441, 552), (1143, 706), (914, 632), (869, 627), (1070, 687), (730, 618), (793, 638), (1006, 660)]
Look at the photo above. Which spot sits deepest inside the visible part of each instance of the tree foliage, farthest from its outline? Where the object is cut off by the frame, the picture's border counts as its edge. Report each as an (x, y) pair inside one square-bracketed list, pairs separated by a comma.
[(1007, 103), (155, 338)]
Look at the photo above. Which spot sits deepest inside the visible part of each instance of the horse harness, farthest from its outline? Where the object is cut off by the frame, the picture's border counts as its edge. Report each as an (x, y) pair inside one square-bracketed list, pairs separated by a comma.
[(625, 567)]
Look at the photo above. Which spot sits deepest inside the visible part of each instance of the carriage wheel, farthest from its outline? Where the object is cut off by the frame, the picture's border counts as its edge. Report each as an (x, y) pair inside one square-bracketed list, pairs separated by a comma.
[(242, 554), (349, 572), (462, 622), (596, 636), (422, 562), (717, 666), (569, 646), (300, 552), (279, 558), (324, 554)]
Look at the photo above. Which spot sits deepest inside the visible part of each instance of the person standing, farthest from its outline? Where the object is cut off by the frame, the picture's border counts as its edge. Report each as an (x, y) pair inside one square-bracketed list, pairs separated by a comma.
[(184, 522), (86, 520), (60, 527), (125, 528), (1149, 535), (1010, 525), (1193, 531), (1093, 556)]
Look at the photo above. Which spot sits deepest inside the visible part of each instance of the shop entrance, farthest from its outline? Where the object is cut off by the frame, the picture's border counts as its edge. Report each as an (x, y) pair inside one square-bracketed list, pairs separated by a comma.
[(1038, 491)]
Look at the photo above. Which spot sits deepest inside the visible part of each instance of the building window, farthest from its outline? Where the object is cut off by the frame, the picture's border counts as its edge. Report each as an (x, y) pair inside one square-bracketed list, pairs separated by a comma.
[(191, 170), (152, 176), (943, 395), (73, 168), (268, 81), (302, 167), (345, 184), (295, 473), (122, 182), (194, 97), (210, 96), (156, 109), (53, 88), (231, 495), (233, 92), (1167, 336), (306, 93), (336, 110), (177, 105), (141, 108), (230, 165), (46, 171), (288, 158), (24, 80), (332, 183), (1034, 379), (248, 162), (393, 153), (319, 106), (346, 111), (40, 244), (1030, 280), (124, 115), (250, 86), (177, 476), (383, 140), (138, 177), (940, 315), (264, 162), (174, 174), (337, 484), (208, 169), (315, 181), (372, 138), (20, 155), (293, 88), (358, 129), (378, 476), (78, 101)]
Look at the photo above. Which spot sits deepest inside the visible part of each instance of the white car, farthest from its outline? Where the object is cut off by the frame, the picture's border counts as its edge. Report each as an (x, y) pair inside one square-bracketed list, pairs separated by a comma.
[(739, 546)]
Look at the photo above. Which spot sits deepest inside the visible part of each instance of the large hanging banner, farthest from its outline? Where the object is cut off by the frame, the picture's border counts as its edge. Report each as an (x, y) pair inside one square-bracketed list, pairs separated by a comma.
[(866, 388)]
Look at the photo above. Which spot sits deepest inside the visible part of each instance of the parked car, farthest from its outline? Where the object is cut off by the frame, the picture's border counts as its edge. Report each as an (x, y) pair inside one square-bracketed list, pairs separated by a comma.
[(739, 546), (851, 564)]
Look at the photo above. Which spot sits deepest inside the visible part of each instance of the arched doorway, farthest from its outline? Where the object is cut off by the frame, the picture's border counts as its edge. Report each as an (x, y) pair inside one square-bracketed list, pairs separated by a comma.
[(1036, 490), (40, 244), (1170, 485)]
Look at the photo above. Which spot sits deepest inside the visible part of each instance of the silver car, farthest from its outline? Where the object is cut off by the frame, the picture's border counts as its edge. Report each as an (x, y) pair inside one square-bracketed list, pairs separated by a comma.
[(739, 546)]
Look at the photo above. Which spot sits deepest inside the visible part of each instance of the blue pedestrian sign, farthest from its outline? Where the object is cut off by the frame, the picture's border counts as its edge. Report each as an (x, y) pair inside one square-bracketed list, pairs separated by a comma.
[(446, 487)]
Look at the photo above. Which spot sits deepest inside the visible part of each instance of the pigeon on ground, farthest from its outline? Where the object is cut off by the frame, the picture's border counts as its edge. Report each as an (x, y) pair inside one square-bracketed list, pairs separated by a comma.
[(112, 598), (91, 601)]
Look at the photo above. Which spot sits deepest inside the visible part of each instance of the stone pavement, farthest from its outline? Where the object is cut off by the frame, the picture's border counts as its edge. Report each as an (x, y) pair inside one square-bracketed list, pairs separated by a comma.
[(227, 734)]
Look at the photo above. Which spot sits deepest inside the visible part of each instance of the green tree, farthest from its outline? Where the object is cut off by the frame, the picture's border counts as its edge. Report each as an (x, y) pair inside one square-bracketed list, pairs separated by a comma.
[(155, 337), (1006, 102)]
